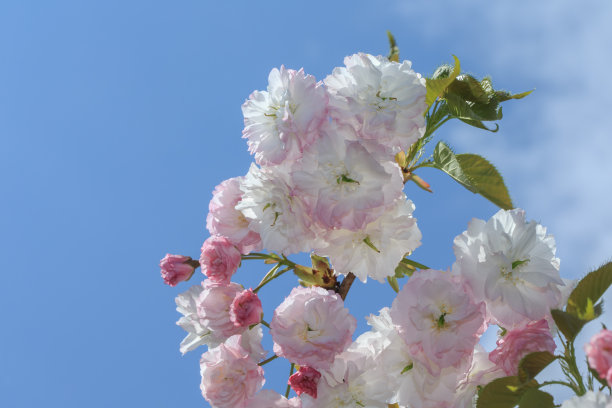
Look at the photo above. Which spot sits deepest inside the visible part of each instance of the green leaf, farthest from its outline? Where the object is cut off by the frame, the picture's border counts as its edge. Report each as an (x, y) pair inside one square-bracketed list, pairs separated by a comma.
[(568, 324), (438, 83), (414, 263), (588, 291), (533, 363), (474, 173), (393, 48), (393, 283), (503, 96), (445, 160), (485, 179), (403, 269), (596, 376), (314, 277), (469, 89), (480, 125), (534, 398), (503, 392)]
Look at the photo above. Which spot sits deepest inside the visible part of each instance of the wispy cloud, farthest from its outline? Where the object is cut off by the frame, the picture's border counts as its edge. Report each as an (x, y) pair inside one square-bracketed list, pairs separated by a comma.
[(555, 149)]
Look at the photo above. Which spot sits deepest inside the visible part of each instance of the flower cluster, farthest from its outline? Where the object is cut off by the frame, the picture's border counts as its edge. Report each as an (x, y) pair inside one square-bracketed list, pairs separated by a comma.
[(328, 178)]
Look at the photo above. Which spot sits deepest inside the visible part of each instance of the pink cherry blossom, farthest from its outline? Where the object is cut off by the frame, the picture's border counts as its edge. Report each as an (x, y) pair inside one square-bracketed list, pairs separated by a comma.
[(311, 326), (219, 259), (229, 376), (517, 343), (438, 318), (246, 309), (599, 354), (305, 381), (214, 306), (224, 219), (271, 399), (176, 268)]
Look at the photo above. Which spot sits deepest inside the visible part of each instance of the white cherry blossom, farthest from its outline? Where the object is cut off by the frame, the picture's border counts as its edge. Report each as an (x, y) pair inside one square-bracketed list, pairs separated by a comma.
[(383, 100), (511, 265), (280, 122), (375, 250), (275, 213)]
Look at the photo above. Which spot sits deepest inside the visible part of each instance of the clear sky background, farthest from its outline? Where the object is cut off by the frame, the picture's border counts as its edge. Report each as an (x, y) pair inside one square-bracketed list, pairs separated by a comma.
[(118, 118)]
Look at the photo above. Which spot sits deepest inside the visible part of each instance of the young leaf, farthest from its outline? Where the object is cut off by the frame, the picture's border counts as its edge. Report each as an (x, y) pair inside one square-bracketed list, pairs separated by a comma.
[(393, 48), (403, 269), (445, 160), (588, 291), (469, 89), (534, 398), (533, 363), (485, 178), (393, 283), (568, 324), (438, 83), (415, 264), (504, 392)]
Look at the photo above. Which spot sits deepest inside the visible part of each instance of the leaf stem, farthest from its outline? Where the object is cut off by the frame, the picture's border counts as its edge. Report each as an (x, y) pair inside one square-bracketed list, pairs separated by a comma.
[(265, 323), (274, 357), (288, 390), (558, 383)]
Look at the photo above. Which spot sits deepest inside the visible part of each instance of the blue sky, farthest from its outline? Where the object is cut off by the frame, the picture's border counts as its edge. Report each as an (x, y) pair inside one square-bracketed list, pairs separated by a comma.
[(118, 118)]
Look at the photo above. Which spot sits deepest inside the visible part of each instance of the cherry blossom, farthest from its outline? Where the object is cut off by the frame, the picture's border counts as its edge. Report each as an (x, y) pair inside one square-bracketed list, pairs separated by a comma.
[(383, 100), (224, 219), (311, 326), (176, 269), (283, 120), (511, 265)]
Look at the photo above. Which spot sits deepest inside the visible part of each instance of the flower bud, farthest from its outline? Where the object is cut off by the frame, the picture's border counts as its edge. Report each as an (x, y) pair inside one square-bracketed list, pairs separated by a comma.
[(220, 259), (246, 309), (305, 380), (176, 268)]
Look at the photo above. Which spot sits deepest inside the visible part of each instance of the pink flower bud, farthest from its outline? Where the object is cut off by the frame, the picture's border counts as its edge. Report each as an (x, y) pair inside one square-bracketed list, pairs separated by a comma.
[(305, 380), (517, 343), (176, 268), (220, 259), (599, 354), (246, 309)]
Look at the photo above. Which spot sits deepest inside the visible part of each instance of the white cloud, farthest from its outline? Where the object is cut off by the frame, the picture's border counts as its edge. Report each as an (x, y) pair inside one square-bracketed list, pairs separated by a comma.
[(558, 161)]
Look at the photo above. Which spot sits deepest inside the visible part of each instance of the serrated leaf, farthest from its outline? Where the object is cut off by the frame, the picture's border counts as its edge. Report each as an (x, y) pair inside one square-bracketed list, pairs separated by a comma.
[(533, 363), (445, 160), (534, 398), (436, 86), (393, 48), (596, 376), (567, 323), (469, 89), (503, 96), (588, 291), (393, 283), (503, 392), (485, 179), (459, 108), (480, 125)]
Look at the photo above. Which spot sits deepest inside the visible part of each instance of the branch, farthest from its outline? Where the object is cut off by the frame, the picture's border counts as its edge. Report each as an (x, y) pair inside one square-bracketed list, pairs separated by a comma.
[(345, 285)]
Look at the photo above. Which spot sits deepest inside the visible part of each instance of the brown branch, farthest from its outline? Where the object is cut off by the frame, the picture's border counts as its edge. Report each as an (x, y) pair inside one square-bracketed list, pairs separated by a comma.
[(345, 285)]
